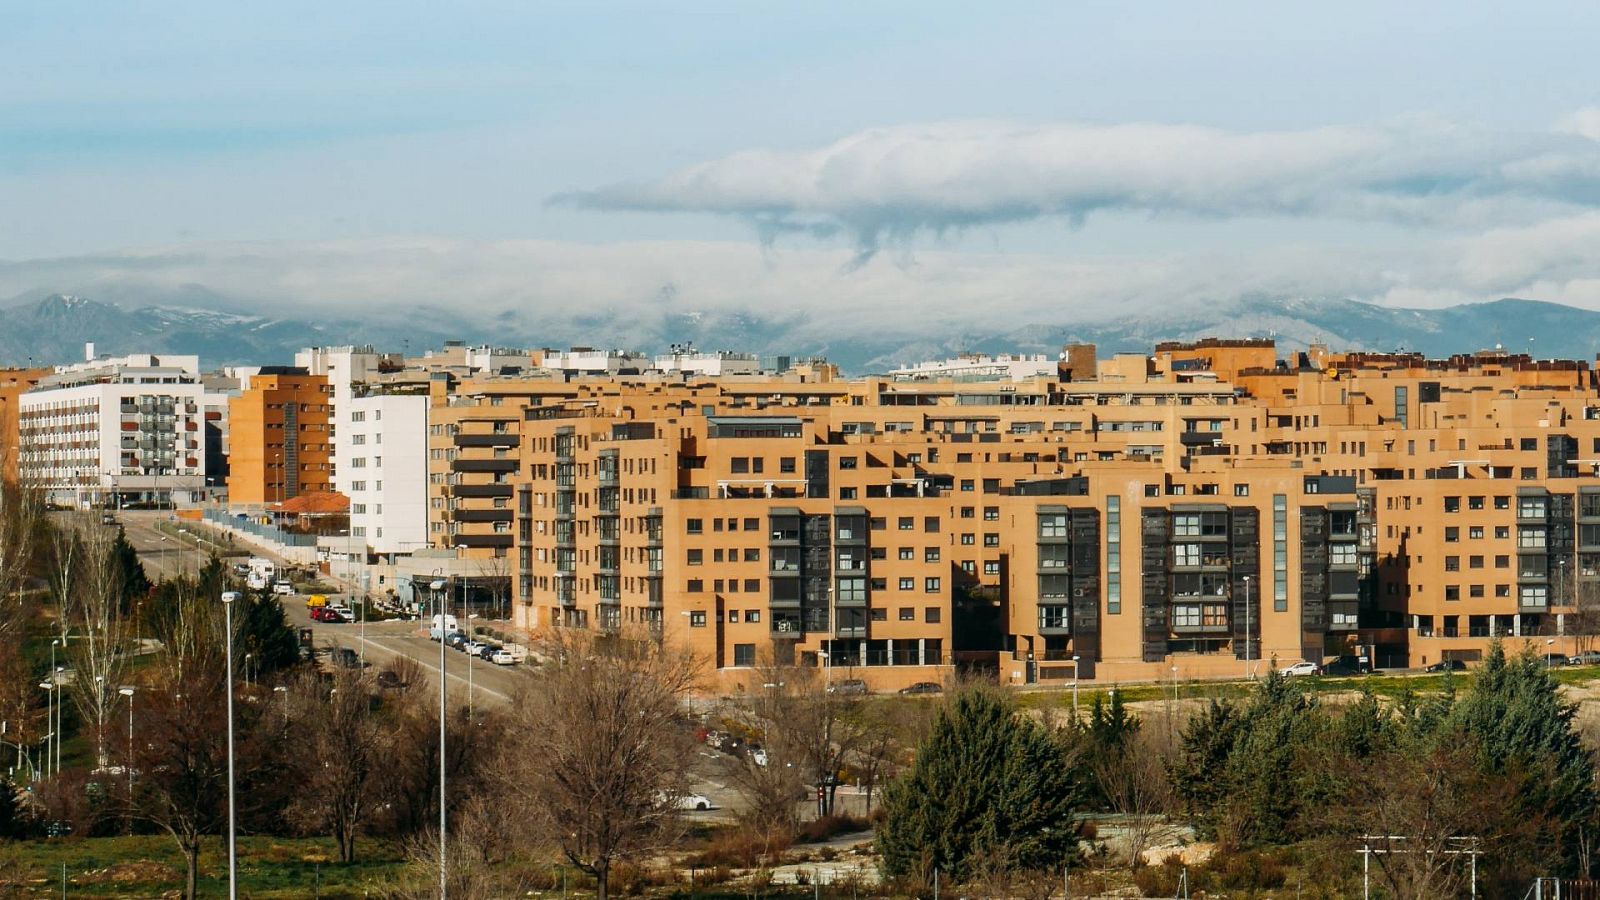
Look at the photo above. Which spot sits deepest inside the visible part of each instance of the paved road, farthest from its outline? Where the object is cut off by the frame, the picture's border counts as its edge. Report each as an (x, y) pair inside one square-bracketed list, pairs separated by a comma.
[(165, 555)]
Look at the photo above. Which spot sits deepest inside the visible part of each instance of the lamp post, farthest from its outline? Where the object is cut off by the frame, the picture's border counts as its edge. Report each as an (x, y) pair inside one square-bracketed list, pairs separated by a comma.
[(247, 658), (128, 764), (228, 597), (1248, 644), (50, 723), (52, 720), (437, 587), (1074, 687)]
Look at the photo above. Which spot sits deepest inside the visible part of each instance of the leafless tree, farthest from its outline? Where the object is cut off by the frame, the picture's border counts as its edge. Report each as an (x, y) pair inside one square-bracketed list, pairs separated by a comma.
[(1421, 811), (1135, 784), (90, 598), (818, 728), (342, 747), (598, 752), (495, 571)]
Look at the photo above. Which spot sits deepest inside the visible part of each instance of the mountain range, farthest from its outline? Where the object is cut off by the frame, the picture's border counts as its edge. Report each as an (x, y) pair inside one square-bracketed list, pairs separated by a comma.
[(45, 328)]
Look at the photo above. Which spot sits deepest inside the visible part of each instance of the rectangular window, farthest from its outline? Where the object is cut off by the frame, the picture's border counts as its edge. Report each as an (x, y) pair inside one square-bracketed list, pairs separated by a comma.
[(907, 523), (694, 526), (908, 584), (1452, 504), (930, 586), (696, 586), (1113, 556), (696, 557), (908, 614), (1280, 552), (930, 554), (744, 655), (931, 615), (697, 619)]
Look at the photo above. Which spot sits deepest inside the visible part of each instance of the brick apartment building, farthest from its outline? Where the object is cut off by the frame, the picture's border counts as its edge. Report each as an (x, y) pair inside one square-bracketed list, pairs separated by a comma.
[(1195, 513), (280, 439)]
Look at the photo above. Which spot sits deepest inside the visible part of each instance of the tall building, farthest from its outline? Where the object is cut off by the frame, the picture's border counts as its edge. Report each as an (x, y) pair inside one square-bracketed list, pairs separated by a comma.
[(344, 368), (13, 382), (279, 437), (115, 430), (388, 468)]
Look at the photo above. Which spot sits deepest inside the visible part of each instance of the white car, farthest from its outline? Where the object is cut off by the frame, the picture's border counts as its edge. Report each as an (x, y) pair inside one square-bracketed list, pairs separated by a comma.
[(694, 801), (472, 648), (503, 657), (282, 587), (348, 613), (1300, 668), (759, 757)]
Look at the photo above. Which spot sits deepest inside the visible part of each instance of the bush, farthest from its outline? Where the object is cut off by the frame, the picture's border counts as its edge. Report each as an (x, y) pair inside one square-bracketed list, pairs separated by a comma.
[(1246, 871), (827, 827), (739, 848)]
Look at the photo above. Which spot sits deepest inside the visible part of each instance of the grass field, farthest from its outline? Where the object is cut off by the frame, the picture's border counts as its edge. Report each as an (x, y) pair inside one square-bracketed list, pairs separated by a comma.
[(149, 865)]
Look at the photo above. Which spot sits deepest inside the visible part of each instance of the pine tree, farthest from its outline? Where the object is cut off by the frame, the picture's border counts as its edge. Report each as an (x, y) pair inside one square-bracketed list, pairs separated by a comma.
[(986, 785)]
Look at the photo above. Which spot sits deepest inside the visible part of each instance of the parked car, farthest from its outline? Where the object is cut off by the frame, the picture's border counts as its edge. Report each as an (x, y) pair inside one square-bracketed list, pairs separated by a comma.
[(1348, 665), (503, 657), (758, 755), (471, 648), (282, 587), (848, 686), (1555, 659), (694, 801), (923, 687), (1586, 658), (456, 639), (1447, 665), (327, 614), (1300, 668), (485, 651), (348, 613)]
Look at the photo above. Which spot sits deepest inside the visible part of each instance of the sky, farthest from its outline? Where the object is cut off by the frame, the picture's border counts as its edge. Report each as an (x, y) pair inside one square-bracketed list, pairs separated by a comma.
[(950, 159)]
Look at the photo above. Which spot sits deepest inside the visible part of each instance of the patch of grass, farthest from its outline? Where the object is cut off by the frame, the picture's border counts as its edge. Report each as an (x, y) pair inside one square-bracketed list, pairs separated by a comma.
[(147, 865)]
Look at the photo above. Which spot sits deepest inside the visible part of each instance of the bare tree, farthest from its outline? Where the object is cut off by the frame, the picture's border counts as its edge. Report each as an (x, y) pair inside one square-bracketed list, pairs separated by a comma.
[(342, 745), (598, 752), (91, 605), (1135, 784), (818, 728)]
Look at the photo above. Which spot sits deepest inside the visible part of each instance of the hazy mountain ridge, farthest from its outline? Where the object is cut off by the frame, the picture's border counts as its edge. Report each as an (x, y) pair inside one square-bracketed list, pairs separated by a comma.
[(54, 327)]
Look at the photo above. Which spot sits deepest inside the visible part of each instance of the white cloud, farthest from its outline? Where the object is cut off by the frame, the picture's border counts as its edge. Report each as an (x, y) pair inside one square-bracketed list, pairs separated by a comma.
[(597, 292), (892, 183), (1584, 122)]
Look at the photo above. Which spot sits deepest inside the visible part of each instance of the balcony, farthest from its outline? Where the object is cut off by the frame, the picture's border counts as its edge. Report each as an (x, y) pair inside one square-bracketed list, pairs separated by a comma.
[(483, 465), (1055, 620), (480, 490), (480, 515), (487, 440), (483, 540)]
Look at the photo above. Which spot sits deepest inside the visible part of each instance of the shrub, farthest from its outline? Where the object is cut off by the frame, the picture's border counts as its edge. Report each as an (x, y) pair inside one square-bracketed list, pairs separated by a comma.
[(828, 827)]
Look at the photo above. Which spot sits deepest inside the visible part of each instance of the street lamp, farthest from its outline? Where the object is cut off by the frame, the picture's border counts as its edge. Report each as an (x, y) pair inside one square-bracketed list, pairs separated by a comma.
[(128, 692), (50, 719), (437, 586), (228, 598), (1248, 644), (50, 727), (1074, 687)]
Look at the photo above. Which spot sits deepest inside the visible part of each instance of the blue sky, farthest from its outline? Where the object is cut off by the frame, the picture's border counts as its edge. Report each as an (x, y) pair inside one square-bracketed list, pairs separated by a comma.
[(1424, 147)]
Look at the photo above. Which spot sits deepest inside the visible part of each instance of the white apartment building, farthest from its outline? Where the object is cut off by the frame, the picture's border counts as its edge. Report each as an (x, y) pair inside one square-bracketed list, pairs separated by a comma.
[(588, 361), (689, 361), (387, 471), (979, 367), (345, 367), (116, 431)]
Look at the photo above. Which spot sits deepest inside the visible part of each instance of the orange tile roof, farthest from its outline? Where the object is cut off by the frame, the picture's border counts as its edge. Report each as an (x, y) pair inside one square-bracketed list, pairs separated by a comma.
[(316, 503)]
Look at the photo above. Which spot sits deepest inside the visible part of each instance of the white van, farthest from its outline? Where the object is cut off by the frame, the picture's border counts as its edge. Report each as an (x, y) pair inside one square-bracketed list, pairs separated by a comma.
[(449, 624)]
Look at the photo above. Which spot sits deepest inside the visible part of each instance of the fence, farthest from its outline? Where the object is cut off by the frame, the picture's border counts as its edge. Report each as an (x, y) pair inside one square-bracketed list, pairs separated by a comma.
[(260, 530)]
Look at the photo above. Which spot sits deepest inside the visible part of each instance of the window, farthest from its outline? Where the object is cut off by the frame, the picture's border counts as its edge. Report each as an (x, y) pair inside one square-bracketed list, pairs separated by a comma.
[(1452, 504), (1052, 525), (1452, 592), (696, 557), (930, 586), (930, 554), (697, 619), (909, 553), (1186, 554), (991, 513), (1280, 552), (991, 567), (752, 615), (696, 586), (1530, 507), (930, 524), (1530, 443), (1452, 563), (786, 464), (1452, 535), (879, 615), (931, 615), (907, 523), (907, 614), (744, 655), (1475, 533), (968, 539), (1502, 502), (694, 526), (1474, 562), (1342, 554), (908, 584), (1502, 562), (1502, 532), (967, 484), (1474, 503), (1241, 490)]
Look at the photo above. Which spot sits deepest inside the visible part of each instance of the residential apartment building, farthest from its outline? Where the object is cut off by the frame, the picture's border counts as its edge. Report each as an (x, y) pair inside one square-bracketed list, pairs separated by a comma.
[(280, 437), (387, 433), (1195, 513), (13, 382), (115, 431)]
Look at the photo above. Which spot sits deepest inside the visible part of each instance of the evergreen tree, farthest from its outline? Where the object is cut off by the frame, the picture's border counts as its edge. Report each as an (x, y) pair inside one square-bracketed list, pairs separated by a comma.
[(267, 635), (130, 572), (986, 786)]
